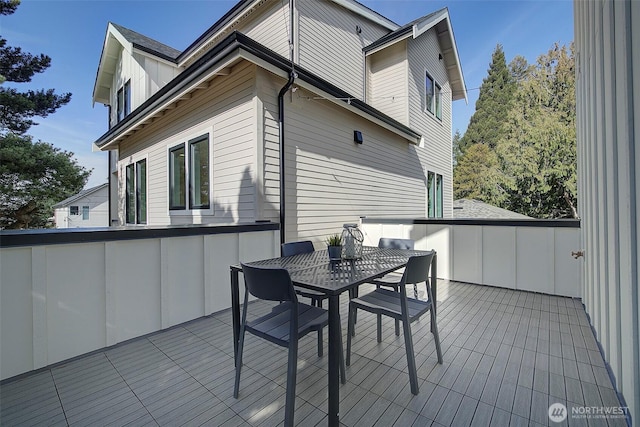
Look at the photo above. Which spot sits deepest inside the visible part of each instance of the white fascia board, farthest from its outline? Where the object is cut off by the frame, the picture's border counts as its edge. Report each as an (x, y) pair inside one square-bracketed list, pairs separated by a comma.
[(364, 11), (386, 45), (112, 36), (424, 26)]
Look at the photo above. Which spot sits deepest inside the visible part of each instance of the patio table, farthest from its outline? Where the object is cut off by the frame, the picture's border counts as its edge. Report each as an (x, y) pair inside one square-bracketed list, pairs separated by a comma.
[(316, 272)]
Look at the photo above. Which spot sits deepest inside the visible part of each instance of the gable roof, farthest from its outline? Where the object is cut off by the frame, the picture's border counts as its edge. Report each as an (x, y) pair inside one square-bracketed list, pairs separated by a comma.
[(475, 209), (80, 195), (119, 37), (219, 60), (441, 21)]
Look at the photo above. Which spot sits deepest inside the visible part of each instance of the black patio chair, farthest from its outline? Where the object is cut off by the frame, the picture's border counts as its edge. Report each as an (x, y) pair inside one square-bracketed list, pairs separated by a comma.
[(303, 247), (397, 305), (284, 326), (392, 280)]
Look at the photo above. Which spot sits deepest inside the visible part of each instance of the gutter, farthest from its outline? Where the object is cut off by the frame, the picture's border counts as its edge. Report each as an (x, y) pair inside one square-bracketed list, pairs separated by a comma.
[(281, 94)]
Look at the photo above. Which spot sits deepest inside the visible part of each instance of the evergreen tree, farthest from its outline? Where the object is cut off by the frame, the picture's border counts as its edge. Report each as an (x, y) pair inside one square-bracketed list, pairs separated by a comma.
[(493, 104), (538, 151), (456, 153), (33, 175), (477, 176), (17, 108)]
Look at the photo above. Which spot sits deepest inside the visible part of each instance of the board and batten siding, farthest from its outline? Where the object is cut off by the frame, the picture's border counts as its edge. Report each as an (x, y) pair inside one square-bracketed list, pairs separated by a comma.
[(226, 110), (423, 57), (608, 126), (147, 76), (329, 45), (329, 179), (387, 88)]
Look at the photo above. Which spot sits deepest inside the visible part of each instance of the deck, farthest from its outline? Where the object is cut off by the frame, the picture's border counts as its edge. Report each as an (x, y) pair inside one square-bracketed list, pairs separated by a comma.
[(508, 355)]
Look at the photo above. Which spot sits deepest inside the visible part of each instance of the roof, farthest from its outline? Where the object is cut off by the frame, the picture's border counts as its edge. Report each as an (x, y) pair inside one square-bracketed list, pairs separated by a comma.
[(475, 209), (205, 67), (441, 21), (80, 195), (147, 44)]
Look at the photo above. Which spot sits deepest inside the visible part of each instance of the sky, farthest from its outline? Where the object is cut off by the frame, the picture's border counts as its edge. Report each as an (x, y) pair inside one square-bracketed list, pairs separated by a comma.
[(72, 33)]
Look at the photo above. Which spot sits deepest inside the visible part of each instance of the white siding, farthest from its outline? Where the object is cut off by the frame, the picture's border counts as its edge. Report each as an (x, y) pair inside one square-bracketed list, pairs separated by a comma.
[(423, 57), (270, 28), (608, 113), (330, 180), (329, 45), (226, 109), (98, 203), (388, 81), (147, 76)]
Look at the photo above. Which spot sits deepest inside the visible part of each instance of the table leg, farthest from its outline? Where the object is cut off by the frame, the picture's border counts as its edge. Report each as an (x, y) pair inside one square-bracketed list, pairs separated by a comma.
[(434, 284), (335, 330), (235, 311)]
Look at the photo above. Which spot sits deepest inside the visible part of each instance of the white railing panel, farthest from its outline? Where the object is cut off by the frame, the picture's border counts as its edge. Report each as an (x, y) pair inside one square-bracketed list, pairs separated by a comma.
[(499, 249), (467, 255)]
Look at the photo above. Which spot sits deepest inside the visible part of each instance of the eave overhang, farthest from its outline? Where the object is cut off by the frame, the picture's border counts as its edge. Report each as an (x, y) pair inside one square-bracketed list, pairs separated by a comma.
[(441, 21), (219, 60)]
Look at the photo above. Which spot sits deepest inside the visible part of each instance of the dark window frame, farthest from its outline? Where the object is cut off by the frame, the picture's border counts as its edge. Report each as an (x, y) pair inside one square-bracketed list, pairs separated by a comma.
[(173, 206), (192, 177), (74, 210), (123, 101), (134, 182)]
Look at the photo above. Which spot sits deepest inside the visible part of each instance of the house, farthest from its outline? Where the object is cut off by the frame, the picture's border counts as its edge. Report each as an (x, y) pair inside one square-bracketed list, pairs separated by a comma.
[(351, 110), (475, 209), (88, 208)]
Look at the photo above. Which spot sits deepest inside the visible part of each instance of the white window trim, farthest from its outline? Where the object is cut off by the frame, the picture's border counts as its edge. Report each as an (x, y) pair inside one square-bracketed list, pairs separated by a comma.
[(186, 212)]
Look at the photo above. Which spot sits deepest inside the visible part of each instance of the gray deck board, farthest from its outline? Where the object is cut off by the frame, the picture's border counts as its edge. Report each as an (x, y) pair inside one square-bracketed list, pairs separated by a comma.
[(508, 355)]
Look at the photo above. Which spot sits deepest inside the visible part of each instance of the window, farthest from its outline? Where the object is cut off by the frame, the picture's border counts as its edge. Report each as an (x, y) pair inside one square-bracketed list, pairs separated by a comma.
[(124, 101), (73, 210), (136, 193), (189, 183), (429, 93), (438, 101), (177, 195), (433, 97), (199, 173), (85, 213), (434, 195)]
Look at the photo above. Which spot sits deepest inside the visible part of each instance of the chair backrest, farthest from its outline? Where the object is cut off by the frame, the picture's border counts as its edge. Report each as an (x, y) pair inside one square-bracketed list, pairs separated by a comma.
[(295, 248), (266, 283), (417, 270), (390, 243)]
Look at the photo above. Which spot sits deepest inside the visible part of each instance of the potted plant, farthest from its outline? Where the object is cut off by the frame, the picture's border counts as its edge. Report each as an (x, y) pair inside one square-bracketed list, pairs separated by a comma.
[(334, 246)]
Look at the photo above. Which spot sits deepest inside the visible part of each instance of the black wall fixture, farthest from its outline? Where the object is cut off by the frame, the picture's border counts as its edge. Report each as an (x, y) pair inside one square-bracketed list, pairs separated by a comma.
[(357, 137)]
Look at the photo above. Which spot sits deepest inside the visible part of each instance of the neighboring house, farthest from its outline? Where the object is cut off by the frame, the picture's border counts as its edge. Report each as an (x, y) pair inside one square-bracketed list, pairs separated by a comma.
[(475, 209), (365, 106), (88, 208)]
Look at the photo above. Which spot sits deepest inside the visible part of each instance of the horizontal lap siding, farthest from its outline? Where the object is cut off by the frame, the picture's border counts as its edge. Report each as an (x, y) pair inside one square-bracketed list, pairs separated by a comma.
[(388, 84), (423, 56), (335, 181), (270, 28), (330, 46), (227, 107)]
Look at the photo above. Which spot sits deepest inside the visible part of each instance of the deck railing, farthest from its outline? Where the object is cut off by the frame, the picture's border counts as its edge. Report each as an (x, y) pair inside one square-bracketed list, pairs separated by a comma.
[(532, 255), (68, 292)]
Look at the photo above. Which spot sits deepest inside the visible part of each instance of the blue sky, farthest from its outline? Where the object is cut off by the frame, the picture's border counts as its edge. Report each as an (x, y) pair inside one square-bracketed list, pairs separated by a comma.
[(72, 33)]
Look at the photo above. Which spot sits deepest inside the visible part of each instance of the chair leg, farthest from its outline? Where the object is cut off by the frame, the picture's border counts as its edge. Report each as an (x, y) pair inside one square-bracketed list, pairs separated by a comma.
[(320, 343), (411, 359), (436, 336), (397, 328), (350, 332), (292, 367), (236, 386), (343, 373), (379, 323)]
